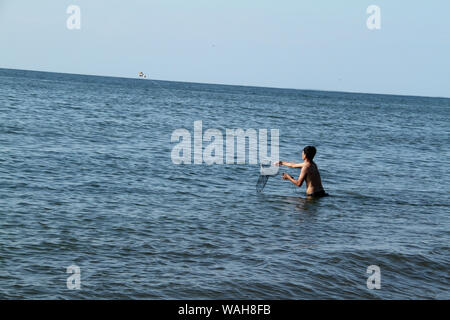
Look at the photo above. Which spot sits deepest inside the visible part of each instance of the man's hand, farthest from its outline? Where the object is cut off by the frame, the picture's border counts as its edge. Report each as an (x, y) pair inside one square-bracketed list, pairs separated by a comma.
[(278, 163), (285, 176)]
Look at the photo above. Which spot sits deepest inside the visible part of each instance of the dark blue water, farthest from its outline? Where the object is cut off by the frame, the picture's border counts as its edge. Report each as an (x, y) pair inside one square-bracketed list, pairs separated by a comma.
[(86, 179)]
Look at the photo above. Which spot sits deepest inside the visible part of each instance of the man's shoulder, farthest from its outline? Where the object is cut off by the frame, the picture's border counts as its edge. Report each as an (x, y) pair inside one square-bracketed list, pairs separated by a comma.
[(310, 167)]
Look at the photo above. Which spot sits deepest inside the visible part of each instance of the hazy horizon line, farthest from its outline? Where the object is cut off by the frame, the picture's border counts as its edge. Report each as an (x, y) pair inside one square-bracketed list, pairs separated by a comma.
[(232, 85)]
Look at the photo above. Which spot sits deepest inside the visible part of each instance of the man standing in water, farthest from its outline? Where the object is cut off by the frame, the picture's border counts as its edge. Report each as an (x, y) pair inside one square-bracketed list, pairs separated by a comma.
[(309, 173)]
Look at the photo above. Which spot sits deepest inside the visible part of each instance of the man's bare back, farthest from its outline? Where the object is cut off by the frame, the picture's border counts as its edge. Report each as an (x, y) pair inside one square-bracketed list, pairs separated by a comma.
[(312, 178)]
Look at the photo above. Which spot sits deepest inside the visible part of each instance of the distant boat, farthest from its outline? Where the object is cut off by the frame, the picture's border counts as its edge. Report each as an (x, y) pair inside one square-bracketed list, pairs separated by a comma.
[(142, 75)]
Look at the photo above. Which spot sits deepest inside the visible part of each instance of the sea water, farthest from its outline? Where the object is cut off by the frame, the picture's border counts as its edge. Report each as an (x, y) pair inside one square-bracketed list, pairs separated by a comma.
[(87, 180)]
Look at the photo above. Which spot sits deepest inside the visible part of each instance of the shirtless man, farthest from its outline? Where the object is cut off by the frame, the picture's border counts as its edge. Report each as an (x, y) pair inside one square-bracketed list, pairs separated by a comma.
[(309, 173)]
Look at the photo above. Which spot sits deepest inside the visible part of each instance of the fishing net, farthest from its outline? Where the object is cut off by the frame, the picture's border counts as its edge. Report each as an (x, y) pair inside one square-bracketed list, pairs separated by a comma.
[(265, 172)]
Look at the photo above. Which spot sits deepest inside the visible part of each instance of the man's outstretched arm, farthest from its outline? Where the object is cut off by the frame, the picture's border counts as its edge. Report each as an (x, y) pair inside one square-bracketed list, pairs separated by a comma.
[(289, 164)]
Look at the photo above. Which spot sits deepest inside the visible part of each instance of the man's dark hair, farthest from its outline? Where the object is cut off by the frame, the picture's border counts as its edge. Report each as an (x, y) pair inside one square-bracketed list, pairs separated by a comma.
[(310, 152)]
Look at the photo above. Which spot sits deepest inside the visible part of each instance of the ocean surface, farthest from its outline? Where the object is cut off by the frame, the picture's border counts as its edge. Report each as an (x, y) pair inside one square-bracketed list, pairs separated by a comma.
[(87, 179)]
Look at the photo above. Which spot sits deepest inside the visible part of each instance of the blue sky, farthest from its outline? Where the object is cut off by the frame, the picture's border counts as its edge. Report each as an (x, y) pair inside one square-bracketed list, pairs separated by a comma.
[(321, 45)]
